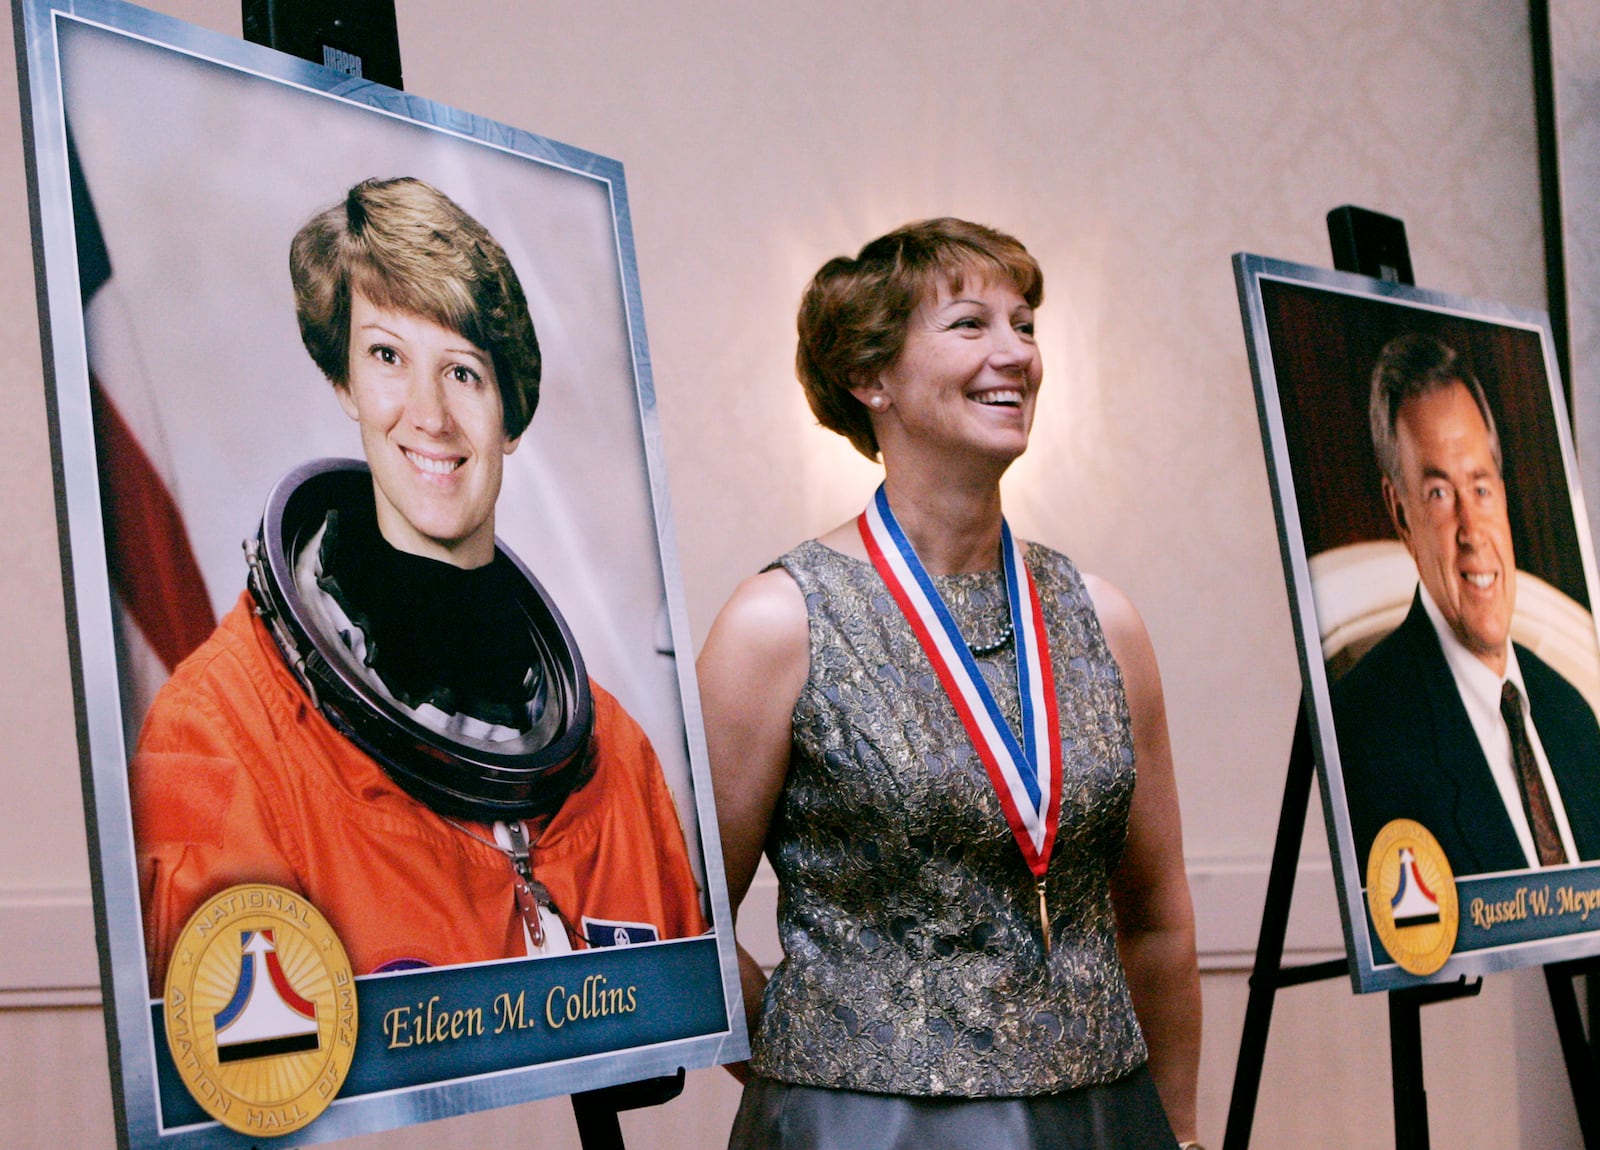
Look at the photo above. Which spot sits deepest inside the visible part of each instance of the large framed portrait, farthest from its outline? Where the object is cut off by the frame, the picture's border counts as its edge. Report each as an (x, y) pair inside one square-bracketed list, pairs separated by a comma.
[(1442, 583), (401, 809)]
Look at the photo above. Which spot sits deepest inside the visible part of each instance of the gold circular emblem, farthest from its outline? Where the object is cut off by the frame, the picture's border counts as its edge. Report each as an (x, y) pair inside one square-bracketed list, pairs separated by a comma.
[(261, 1010), (1411, 894)]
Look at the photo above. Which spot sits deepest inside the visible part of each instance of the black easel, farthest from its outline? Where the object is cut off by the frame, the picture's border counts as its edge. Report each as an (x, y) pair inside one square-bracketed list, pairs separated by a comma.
[(597, 1110), (1270, 975), (1405, 1006), (1583, 1065)]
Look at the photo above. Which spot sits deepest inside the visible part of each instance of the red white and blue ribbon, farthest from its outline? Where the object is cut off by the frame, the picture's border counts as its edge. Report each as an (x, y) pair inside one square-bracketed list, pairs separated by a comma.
[(1026, 776)]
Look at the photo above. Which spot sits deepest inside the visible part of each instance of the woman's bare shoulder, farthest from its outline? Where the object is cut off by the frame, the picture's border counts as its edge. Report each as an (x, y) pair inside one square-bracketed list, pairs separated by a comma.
[(1110, 603), (1121, 622), (763, 621), (1128, 639)]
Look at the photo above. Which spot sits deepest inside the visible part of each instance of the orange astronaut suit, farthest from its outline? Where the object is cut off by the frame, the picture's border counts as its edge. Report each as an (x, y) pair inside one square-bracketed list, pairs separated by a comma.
[(239, 778)]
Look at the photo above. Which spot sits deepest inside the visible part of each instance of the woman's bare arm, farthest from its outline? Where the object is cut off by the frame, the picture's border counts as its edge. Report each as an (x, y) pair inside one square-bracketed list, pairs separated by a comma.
[(1150, 889), (751, 670)]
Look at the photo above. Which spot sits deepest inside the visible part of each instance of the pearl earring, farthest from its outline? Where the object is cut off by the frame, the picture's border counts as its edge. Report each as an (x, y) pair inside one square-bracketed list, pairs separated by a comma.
[(877, 402)]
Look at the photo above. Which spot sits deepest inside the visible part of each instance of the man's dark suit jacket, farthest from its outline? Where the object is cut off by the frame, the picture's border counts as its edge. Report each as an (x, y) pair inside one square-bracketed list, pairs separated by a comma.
[(1408, 750)]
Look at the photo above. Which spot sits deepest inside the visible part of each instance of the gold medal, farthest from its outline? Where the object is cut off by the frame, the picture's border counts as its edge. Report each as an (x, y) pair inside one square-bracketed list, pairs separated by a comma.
[(1044, 915), (261, 1010)]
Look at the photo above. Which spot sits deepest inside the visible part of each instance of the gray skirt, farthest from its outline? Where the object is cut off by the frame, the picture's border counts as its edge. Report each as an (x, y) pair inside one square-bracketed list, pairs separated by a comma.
[(1121, 1115)]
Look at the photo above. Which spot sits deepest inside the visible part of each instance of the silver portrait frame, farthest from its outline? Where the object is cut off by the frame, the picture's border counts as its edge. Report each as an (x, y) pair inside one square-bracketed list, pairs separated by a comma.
[(1317, 455), (464, 154)]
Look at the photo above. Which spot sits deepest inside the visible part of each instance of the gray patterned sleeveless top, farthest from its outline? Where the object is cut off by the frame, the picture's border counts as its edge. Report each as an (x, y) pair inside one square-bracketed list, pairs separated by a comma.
[(913, 957)]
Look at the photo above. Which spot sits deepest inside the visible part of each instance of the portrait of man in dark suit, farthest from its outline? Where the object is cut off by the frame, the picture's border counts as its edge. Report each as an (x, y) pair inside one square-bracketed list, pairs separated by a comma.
[(1447, 721)]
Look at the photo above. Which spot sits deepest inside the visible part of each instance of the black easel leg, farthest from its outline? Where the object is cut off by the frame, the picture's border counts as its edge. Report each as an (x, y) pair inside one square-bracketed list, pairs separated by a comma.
[(597, 1110), (1405, 1053), (1265, 979), (1582, 1071), (598, 1128), (1591, 990)]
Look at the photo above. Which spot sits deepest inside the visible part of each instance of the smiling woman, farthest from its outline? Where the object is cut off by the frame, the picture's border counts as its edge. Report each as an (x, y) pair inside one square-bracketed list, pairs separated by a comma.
[(395, 709), (953, 748), (413, 311), (966, 377), (432, 432)]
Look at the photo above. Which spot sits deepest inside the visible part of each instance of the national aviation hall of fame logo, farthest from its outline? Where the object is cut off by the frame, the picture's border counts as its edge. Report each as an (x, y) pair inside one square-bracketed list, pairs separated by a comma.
[(1411, 894), (261, 1009)]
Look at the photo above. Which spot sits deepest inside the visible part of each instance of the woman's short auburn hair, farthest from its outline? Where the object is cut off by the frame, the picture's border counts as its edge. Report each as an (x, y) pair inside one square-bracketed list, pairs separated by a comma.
[(855, 313), (406, 246)]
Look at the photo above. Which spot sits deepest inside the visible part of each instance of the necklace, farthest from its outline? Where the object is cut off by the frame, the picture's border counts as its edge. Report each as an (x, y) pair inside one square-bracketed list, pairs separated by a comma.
[(995, 646)]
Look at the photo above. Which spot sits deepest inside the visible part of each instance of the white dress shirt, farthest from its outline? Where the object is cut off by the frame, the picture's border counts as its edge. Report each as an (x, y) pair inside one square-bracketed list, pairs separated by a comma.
[(1479, 688)]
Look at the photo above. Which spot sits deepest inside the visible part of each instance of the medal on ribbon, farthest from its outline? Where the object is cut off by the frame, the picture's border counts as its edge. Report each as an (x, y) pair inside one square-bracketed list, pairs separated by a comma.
[(1026, 776)]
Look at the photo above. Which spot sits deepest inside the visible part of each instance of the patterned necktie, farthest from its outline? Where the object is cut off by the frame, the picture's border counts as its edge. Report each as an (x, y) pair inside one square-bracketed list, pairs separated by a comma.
[(1535, 800)]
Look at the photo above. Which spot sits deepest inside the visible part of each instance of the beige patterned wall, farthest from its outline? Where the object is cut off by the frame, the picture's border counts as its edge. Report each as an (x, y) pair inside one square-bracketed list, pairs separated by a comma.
[(1575, 61), (1133, 148)]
